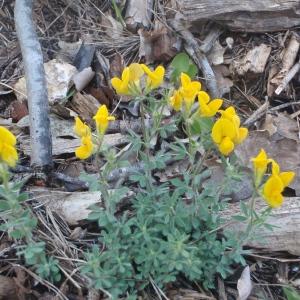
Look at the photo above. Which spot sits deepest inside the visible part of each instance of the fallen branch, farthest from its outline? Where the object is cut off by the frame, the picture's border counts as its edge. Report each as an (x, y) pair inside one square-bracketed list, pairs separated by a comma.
[(40, 135), (195, 52), (284, 105), (210, 39), (257, 114), (288, 69), (287, 78)]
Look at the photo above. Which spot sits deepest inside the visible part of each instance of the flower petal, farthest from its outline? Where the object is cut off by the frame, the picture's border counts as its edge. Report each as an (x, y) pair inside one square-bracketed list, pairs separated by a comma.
[(85, 150), (195, 86), (275, 201), (80, 128), (146, 69), (229, 112), (222, 128), (286, 178), (176, 101), (117, 84), (9, 154), (214, 106), (136, 72), (185, 80), (242, 134), (126, 75), (226, 146), (272, 191), (217, 132), (7, 137), (203, 97), (102, 119), (275, 167), (158, 77), (204, 110)]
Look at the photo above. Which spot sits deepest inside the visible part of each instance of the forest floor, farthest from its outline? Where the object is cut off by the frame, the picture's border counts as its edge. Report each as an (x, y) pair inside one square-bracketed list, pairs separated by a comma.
[(253, 72)]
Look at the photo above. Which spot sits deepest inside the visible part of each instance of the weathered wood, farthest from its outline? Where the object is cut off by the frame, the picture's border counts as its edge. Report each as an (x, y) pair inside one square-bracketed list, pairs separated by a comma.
[(284, 237), (65, 145), (138, 14), (40, 135), (72, 207), (247, 15)]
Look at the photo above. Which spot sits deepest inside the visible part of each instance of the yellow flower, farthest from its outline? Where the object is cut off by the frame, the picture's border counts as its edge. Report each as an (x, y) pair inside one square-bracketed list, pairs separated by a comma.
[(226, 146), (80, 128), (122, 85), (176, 101), (272, 191), (8, 152), (208, 108), (260, 163), (275, 185), (241, 132), (223, 133), (230, 114), (228, 127), (129, 84), (285, 177), (189, 90), (135, 72), (85, 150), (155, 78), (102, 119)]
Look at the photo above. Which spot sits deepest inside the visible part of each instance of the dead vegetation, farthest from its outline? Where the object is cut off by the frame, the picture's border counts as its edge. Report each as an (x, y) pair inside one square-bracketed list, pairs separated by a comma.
[(246, 52)]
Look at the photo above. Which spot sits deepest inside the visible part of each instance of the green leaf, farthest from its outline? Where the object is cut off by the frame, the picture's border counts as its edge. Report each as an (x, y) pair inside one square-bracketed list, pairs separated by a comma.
[(4, 205), (182, 63), (291, 294), (239, 218), (192, 71), (244, 208), (22, 197)]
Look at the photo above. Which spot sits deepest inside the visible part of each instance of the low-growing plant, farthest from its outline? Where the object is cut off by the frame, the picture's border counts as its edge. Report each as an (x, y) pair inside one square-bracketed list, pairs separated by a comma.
[(18, 220), (169, 228), (172, 229)]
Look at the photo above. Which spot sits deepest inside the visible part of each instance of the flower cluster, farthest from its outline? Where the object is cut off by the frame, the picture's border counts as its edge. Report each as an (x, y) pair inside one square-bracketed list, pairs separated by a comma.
[(8, 152), (129, 83), (85, 150), (102, 118), (274, 186), (185, 96), (226, 132)]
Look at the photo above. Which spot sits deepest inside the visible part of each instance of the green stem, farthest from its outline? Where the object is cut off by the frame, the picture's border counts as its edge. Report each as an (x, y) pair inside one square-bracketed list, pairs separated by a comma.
[(103, 183), (252, 208), (4, 175), (146, 144)]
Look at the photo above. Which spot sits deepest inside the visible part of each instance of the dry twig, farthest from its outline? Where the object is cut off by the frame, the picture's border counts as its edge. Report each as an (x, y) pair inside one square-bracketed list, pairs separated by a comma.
[(193, 49), (40, 135)]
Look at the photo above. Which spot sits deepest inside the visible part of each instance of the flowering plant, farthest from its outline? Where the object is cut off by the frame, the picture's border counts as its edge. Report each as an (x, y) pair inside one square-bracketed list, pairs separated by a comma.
[(166, 228), (172, 227), (19, 222)]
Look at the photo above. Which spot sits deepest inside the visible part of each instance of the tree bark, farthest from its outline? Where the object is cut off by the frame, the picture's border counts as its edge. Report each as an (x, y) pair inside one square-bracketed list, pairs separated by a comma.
[(246, 15), (40, 135)]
